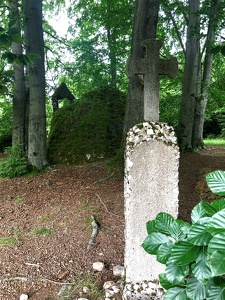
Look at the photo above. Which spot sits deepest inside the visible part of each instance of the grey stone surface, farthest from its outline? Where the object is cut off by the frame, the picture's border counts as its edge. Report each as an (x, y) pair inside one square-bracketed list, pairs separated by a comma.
[(151, 186), (151, 67)]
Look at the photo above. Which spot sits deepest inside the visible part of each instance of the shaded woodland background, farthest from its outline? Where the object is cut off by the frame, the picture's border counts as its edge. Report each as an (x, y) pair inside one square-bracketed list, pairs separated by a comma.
[(91, 60)]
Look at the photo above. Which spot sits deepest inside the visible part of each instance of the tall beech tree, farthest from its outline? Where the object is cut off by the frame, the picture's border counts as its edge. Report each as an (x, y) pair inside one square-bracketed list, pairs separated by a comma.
[(144, 27), (201, 17), (205, 68), (19, 94), (36, 72), (190, 78)]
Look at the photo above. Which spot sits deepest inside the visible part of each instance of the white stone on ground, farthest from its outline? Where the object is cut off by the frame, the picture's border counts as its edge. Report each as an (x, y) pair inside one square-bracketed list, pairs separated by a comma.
[(118, 270), (85, 289), (98, 266), (23, 297)]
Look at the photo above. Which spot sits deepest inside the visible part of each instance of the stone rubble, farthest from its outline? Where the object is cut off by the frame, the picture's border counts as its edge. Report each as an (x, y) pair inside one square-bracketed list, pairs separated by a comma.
[(118, 271), (145, 290), (63, 289), (98, 266), (112, 289)]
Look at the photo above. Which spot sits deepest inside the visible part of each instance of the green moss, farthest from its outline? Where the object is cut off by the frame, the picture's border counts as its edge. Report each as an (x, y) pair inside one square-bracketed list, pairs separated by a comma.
[(89, 129)]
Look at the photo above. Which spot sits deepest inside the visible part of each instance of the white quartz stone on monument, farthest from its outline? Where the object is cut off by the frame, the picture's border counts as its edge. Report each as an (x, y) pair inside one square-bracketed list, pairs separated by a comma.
[(151, 186)]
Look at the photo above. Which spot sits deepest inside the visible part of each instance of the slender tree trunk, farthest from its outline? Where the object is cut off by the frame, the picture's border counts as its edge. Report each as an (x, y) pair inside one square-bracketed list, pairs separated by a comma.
[(19, 98), (37, 113), (190, 79), (207, 68), (145, 26), (111, 47)]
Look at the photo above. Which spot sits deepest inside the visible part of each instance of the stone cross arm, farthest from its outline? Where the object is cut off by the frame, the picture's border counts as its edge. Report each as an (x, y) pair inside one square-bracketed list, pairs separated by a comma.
[(151, 67), (168, 67)]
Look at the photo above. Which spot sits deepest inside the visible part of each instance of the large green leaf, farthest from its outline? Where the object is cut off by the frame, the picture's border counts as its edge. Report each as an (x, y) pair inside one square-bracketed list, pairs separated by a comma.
[(164, 252), (176, 274), (5, 40), (176, 293), (15, 35), (218, 204), (196, 290), (184, 228), (12, 22), (208, 208), (216, 224), (184, 253), (165, 283), (217, 261), (217, 243), (201, 268), (216, 293), (164, 223), (198, 235), (216, 182), (150, 226), (198, 212), (8, 73), (153, 241)]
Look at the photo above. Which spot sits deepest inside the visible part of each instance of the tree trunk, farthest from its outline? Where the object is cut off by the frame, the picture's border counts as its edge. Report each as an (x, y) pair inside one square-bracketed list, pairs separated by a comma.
[(111, 47), (207, 68), (145, 26), (19, 98), (37, 113), (190, 79)]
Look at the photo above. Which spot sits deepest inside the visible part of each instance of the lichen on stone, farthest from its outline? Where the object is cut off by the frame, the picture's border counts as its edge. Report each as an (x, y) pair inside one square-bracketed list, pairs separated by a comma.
[(142, 133), (151, 131)]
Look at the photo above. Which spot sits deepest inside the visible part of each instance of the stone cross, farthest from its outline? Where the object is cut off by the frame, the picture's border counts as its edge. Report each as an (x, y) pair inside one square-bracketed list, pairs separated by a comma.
[(151, 67)]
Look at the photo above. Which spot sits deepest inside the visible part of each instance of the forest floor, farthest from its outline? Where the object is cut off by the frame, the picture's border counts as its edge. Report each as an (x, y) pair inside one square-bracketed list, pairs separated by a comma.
[(45, 224)]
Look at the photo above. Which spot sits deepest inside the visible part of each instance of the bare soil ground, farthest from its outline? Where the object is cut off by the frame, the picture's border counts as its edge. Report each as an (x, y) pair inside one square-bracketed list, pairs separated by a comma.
[(47, 218)]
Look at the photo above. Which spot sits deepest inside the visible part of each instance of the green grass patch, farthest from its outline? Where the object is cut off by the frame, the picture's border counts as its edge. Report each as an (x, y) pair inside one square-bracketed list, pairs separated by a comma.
[(7, 241), (19, 199), (87, 281), (215, 142), (45, 218), (42, 231), (90, 208)]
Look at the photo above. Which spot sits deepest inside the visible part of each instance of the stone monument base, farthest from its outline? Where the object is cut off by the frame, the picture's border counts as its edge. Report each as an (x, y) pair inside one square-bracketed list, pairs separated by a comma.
[(146, 290)]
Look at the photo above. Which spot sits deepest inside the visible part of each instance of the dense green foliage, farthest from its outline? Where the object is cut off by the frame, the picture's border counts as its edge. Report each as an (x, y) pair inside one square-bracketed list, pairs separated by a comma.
[(6, 124), (193, 253), (15, 164), (89, 129), (8, 35), (215, 124), (94, 51)]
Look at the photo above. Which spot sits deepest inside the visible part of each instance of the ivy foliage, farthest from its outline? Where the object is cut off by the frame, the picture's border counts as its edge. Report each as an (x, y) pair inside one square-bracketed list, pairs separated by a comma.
[(193, 253), (89, 129), (16, 164), (6, 124)]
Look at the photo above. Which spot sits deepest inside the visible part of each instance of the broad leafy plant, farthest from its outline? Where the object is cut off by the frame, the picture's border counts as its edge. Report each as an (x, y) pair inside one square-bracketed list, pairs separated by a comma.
[(194, 254), (16, 164)]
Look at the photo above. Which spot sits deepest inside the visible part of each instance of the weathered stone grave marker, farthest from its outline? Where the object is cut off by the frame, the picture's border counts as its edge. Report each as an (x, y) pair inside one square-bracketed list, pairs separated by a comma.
[(151, 170)]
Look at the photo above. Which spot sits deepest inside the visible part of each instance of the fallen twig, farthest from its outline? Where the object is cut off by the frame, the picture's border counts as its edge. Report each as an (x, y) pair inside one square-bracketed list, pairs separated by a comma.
[(33, 265), (56, 282), (104, 179), (95, 229), (106, 206)]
